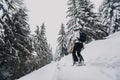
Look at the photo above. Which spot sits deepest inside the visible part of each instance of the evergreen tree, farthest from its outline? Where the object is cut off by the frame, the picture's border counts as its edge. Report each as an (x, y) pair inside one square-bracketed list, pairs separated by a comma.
[(17, 45), (46, 49), (61, 49), (22, 41), (85, 14), (2, 43), (80, 12), (85, 20), (72, 13), (110, 15), (44, 53), (2, 53)]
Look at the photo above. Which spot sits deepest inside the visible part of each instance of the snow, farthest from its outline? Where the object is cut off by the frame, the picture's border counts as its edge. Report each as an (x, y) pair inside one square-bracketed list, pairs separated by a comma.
[(102, 59), (82, 73), (103, 50), (45, 73)]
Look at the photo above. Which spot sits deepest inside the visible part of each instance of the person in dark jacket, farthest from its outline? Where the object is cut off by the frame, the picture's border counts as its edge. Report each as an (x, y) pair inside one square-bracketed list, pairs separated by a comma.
[(78, 46)]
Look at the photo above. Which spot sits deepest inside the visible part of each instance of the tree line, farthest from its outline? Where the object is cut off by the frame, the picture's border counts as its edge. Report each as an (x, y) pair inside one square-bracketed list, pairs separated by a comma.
[(20, 51), (83, 18)]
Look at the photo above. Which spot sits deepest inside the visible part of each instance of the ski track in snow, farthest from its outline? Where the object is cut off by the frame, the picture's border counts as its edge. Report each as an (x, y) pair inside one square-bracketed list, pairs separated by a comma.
[(89, 72)]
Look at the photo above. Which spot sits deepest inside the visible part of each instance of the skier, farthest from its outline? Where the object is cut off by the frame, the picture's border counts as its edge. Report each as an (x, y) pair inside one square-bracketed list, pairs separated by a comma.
[(78, 46)]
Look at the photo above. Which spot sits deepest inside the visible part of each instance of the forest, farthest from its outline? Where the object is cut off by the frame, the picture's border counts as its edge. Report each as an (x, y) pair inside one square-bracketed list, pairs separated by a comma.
[(22, 52)]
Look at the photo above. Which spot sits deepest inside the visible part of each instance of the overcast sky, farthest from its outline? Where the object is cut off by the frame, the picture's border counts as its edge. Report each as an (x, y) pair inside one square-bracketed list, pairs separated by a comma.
[(52, 13)]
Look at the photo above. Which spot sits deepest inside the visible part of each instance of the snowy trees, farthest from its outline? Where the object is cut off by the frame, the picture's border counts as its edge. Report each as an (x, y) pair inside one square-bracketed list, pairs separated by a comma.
[(79, 12), (22, 42), (110, 15), (61, 48), (16, 49), (44, 53), (84, 19), (16, 45), (72, 12)]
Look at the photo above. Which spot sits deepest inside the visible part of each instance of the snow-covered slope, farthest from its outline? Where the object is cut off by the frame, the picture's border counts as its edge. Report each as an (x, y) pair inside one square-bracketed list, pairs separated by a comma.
[(44, 73), (104, 52), (102, 59)]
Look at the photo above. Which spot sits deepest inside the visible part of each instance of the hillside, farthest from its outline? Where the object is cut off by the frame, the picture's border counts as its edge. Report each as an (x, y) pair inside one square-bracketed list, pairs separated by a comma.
[(102, 59)]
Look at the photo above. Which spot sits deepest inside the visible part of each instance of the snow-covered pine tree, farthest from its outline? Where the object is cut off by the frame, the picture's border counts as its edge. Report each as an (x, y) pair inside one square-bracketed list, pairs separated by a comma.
[(2, 43), (44, 53), (37, 47), (2, 52), (84, 19), (17, 48), (61, 48), (72, 13), (22, 42), (85, 14), (110, 15), (46, 49)]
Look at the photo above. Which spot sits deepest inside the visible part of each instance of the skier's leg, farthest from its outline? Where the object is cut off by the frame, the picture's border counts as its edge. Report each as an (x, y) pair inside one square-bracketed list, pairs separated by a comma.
[(81, 60), (75, 59), (79, 52), (80, 56)]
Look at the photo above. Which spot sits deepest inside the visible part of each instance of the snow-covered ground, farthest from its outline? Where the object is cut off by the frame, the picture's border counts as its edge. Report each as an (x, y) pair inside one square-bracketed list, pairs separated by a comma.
[(102, 59)]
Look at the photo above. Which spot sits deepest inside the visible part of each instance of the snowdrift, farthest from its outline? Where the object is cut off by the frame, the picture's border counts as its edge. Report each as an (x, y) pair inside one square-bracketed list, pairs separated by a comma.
[(102, 59)]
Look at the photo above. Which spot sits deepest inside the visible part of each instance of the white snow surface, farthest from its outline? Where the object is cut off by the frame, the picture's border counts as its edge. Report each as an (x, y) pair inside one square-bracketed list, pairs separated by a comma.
[(102, 59)]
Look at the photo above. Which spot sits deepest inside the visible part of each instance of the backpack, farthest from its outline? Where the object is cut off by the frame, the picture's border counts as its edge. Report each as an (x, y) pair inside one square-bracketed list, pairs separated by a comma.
[(82, 37)]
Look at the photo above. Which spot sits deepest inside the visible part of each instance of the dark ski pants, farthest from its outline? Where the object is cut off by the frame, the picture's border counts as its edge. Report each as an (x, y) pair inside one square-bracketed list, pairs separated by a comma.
[(76, 52)]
